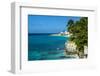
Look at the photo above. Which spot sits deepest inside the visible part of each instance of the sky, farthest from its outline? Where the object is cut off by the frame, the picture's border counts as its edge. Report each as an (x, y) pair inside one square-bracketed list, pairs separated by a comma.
[(48, 24)]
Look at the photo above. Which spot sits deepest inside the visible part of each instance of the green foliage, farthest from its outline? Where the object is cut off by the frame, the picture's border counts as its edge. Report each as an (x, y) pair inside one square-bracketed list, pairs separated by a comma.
[(79, 31)]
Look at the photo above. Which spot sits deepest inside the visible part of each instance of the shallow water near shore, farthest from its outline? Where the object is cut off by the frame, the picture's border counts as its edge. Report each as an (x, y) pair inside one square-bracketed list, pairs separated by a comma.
[(46, 47)]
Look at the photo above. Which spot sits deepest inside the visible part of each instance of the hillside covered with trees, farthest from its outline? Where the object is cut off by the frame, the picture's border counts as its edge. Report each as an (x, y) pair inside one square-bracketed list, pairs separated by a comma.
[(79, 33)]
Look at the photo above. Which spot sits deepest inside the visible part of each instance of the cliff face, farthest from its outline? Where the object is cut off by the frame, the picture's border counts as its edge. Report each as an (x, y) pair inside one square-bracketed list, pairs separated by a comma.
[(71, 49), (70, 46)]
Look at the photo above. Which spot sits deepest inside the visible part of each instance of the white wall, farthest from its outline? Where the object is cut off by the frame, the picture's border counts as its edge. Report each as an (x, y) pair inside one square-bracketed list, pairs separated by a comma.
[(5, 27)]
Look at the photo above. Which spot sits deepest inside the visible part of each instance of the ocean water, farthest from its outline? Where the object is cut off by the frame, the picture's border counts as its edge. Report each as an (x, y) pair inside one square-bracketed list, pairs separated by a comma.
[(46, 47)]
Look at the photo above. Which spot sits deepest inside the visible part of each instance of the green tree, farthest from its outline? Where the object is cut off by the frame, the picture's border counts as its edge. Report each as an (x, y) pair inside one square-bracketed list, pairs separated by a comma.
[(79, 31)]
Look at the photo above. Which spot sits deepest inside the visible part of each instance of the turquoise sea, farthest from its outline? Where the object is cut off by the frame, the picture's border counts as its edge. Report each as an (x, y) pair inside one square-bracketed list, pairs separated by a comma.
[(46, 47)]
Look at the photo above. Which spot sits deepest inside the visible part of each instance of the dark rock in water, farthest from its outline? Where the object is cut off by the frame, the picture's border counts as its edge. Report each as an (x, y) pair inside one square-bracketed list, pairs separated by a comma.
[(62, 57)]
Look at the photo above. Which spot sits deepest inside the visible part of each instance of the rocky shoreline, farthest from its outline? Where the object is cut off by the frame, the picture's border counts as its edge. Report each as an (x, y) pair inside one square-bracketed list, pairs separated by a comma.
[(71, 49)]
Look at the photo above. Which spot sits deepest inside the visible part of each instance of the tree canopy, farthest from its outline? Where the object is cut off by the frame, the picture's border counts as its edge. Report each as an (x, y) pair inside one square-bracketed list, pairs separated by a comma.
[(79, 31)]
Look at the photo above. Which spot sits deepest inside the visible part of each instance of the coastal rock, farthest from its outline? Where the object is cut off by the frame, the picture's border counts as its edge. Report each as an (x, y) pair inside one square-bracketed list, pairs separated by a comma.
[(70, 46), (85, 50)]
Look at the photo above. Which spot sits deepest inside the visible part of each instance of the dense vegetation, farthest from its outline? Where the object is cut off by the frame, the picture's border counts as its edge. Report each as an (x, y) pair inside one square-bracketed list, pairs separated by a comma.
[(79, 31)]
